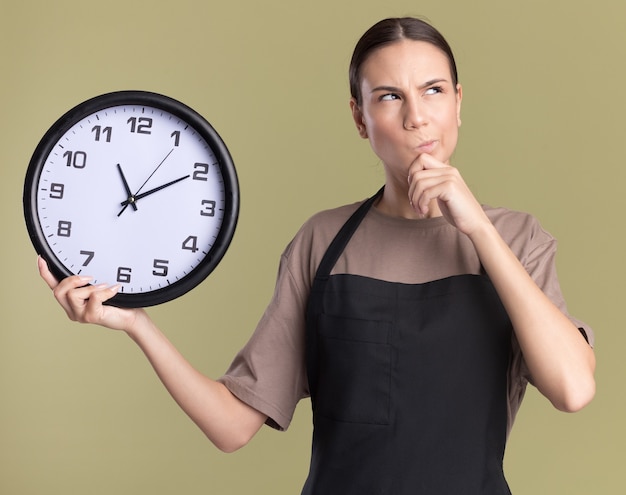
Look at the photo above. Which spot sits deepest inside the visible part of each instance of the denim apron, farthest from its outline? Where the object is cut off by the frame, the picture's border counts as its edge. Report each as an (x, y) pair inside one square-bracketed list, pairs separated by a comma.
[(408, 382)]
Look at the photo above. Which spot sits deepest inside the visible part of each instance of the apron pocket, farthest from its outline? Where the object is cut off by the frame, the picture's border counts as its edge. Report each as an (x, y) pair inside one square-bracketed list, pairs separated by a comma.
[(354, 370)]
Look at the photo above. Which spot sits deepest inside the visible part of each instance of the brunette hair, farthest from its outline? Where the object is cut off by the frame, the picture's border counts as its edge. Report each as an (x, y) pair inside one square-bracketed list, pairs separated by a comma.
[(389, 31)]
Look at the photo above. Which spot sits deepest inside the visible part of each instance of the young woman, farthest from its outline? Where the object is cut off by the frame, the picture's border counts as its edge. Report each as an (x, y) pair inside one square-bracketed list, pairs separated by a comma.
[(413, 320)]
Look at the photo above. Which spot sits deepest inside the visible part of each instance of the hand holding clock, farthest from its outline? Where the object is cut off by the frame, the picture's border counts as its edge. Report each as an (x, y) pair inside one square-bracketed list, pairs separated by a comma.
[(163, 263), (83, 303)]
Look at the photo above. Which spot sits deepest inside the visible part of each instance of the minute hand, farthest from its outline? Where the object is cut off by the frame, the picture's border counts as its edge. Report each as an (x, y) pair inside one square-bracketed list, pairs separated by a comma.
[(137, 197)]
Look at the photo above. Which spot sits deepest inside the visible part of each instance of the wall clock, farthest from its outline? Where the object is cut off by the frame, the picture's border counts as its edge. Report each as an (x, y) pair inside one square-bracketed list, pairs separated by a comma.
[(133, 188)]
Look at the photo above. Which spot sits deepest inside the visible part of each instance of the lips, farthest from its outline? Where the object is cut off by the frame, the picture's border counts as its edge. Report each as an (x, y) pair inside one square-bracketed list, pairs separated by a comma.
[(426, 146)]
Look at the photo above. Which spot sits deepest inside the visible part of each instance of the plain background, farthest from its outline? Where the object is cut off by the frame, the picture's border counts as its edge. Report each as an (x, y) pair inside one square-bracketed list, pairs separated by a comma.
[(543, 131)]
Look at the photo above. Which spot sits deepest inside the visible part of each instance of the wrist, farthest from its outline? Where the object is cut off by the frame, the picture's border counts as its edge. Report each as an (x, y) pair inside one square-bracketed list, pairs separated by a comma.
[(483, 230), (489, 245), (139, 324)]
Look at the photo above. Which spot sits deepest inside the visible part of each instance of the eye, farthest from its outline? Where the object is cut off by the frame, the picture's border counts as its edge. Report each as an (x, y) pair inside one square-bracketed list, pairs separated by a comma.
[(433, 90), (389, 97)]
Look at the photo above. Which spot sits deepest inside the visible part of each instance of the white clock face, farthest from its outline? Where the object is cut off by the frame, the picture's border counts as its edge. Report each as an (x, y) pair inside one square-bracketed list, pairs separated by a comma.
[(131, 195)]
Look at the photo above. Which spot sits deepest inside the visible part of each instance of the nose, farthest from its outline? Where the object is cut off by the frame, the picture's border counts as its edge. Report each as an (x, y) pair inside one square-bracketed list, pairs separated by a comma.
[(414, 114)]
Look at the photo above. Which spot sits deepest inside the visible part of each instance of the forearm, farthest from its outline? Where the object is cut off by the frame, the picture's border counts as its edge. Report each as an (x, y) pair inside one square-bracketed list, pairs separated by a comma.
[(226, 421), (560, 361)]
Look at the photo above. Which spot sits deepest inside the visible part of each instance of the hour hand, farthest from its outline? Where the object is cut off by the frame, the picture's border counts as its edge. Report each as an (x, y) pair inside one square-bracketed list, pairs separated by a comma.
[(131, 199)]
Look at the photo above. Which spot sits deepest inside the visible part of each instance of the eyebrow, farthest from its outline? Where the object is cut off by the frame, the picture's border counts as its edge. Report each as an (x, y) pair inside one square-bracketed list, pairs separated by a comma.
[(421, 86)]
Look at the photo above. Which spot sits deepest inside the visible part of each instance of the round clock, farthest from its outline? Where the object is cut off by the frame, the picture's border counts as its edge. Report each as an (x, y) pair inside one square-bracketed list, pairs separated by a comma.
[(132, 188)]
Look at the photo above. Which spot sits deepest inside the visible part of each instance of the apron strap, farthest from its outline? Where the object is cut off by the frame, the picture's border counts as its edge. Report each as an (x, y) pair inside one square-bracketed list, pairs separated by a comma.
[(315, 299), (343, 237)]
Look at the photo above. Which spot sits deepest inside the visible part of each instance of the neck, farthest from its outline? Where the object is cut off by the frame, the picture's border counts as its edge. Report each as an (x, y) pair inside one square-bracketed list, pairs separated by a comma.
[(396, 204)]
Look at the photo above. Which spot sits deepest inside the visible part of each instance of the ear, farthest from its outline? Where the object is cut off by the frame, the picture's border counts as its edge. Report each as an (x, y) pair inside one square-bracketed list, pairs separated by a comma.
[(357, 116), (459, 97)]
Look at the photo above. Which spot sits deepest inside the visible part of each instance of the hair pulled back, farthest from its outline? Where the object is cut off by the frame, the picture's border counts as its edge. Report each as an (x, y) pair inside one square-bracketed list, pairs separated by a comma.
[(389, 31)]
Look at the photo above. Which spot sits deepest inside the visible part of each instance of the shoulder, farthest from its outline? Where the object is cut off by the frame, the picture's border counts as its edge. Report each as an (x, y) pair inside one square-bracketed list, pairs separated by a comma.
[(321, 228), (305, 251), (516, 223), (331, 219)]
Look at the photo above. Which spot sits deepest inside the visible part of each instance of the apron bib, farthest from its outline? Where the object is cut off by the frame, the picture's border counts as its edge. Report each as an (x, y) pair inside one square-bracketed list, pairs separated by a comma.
[(408, 383)]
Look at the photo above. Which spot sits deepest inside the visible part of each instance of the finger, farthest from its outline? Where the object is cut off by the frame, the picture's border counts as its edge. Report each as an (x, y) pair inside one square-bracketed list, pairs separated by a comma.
[(93, 310), (74, 286), (65, 284), (441, 183), (44, 273), (422, 182), (72, 283), (425, 162), (103, 293), (421, 163), (107, 315), (429, 162), (72, 294), (432, 189), (84, 304), (423, 191)]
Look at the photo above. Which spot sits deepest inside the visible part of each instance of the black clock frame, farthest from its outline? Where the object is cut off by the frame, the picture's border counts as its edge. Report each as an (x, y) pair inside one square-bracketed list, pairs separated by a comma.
[(178, 109)]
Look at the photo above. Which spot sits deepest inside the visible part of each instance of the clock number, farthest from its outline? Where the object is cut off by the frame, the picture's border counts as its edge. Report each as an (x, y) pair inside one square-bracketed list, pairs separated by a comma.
[(89, 254), (160, 268), (106, 131), (191, 243), (208, 209), (176, 136), (141, 125), (123, 274), (64, 228), (201, 171), (76, 159), (56, 191)]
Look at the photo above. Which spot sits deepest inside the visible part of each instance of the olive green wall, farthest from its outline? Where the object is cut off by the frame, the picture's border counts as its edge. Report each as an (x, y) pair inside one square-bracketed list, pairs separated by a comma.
[(543, 130)]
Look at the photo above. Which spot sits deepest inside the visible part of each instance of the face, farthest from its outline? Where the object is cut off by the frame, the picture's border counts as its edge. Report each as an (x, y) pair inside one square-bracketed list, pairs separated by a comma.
[(409, 105)]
